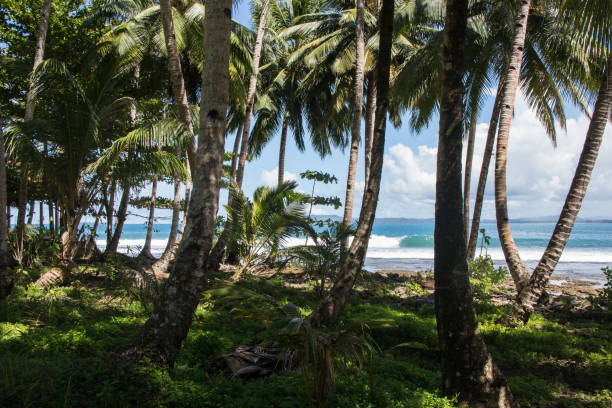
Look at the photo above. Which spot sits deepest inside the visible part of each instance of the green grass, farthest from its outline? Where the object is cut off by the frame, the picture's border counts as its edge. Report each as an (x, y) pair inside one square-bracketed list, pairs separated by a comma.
[(57, 349)]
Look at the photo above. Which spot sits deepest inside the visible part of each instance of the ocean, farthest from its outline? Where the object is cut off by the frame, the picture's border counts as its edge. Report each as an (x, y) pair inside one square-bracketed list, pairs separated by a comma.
[(408, 244)]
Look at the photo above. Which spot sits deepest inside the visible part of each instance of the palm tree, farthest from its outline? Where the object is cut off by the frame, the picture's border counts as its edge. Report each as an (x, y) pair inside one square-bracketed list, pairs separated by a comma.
[(167, 327), (30, 106), (331, 306), (593, 29), (468, 370), (510, 87), (246, 125), (263, 225)]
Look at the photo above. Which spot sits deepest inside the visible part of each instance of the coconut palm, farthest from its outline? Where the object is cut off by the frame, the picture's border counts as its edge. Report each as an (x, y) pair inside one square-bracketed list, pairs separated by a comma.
[(263, 225), (167, 327), (287, 97), (30, 106), (468, 370), (331, 306), (593, 29)]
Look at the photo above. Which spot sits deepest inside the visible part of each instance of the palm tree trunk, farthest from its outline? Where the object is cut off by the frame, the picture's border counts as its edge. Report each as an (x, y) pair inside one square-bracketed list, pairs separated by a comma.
[(109, 202), (356, 124), (176, 74), (41, 216), (467, 179), (236, 151), (146, 249), (332, 306), (370, 112), (167, 327), (121, 216), (39, 52), (168, 255), (531, 293), (248, 115), (6, 283), (31, 206), (484, 171), (51, 217), (510, 87), (281, 150), (467, 367), (57, 218)]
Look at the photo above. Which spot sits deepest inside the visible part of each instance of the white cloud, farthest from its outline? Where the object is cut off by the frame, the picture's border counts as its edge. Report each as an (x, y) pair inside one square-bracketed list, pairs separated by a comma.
[(538, 177), (270, 177)]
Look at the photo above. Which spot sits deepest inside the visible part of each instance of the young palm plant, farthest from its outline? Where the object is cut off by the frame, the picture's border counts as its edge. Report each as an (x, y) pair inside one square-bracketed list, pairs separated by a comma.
[(262, 226)]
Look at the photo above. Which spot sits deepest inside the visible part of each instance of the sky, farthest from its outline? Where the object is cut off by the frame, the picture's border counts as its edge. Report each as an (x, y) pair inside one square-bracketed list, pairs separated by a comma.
[(539, 174)]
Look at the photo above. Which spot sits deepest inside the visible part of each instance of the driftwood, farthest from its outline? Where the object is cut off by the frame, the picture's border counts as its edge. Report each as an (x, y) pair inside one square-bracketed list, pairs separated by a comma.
[(250, 362)]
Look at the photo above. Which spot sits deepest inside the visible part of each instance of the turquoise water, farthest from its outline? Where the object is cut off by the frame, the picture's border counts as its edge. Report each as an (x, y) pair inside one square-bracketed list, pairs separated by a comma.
[(404, 244)]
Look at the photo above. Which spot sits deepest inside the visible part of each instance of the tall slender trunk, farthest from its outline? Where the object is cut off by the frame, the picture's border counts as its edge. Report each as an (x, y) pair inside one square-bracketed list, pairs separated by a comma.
[(176, 73), (370, 112), (6, 283), (484, 171), (467, 367), (531, 293), (57, 218), (121, 217), (356, 123), (510, 87), (41, 215), (168, 255), (236, 151), (30, 106), (110, 210), (146, 248), (248, 115), (31, 206), (281, 150), (331, 306), (169, 323), (51, 217), (467, 179)]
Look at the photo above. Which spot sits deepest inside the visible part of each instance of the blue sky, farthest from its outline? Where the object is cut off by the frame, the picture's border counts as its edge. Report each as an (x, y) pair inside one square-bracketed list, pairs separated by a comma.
[(538, 174)]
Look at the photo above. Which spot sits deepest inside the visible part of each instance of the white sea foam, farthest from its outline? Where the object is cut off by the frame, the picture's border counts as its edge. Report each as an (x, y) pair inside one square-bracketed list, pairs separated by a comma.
[(382, 246)]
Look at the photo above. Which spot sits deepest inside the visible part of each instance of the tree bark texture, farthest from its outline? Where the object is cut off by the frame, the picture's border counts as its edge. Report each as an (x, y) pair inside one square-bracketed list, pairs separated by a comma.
[(333, 304), (281, 150), (466, 365), (532, 292), (370, 112), (169, 323), (510, 87), (176, 73), (484, 172), (467, 179), (6, 282), (246, 127), (356, 123)]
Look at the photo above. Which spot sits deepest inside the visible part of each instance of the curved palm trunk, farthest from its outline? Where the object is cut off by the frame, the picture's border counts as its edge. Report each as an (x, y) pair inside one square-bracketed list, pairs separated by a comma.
[(510, 87), (6, 283), (484, 171), (281, 150), (332, 306), (109, 202), (467, 179), (169, 323), (468, 369), (248, 115), (236, 151), (146, 249), (121, 216), (176, 73), (370, 112), (168, 255), (531, 293), (356, 124), (39, 52), (31, 205)]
